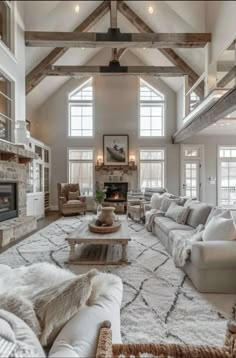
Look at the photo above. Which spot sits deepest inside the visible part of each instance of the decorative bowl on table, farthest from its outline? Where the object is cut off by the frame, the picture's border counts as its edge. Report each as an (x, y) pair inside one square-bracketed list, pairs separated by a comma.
[(96, 227)]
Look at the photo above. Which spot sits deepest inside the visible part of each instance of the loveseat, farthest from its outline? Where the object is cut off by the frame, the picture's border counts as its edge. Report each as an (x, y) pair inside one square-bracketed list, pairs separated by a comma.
[(212, 264), (78, 338)]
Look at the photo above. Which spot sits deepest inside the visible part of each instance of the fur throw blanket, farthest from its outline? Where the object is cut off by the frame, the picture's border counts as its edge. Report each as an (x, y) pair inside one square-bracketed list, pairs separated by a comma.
[(150, 216), (182, 246), (46, 297)]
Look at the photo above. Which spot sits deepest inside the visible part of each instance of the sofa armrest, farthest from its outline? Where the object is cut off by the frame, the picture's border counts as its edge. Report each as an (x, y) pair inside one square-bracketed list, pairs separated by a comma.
[(147, 207), (82, 198), (214, 254), (62, 199)]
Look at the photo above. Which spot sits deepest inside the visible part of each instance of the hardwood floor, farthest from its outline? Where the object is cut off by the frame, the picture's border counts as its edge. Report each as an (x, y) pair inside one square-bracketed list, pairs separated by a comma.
[(50, 217)]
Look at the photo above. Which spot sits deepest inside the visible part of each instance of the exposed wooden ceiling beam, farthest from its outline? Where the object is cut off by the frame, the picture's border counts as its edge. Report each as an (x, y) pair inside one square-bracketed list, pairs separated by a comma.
[(219, 109), (113, 14), (114, 67), (169, 53), (227, 78), (37, 74), (115, 38), (225, 66)]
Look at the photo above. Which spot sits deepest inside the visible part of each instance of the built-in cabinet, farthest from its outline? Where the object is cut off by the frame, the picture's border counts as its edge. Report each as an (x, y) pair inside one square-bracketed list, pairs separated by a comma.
[(38, 180)]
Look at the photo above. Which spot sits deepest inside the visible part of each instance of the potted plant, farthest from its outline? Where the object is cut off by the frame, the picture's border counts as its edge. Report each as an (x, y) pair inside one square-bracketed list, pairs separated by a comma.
[(99, 198)]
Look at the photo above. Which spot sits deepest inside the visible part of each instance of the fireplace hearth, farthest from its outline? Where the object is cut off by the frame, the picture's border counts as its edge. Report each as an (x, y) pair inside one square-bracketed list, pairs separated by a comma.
[(8, 201), (116, 192)]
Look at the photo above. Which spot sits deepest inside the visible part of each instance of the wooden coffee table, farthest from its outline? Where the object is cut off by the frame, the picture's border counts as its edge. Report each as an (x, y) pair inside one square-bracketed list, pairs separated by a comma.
[(99, 249)]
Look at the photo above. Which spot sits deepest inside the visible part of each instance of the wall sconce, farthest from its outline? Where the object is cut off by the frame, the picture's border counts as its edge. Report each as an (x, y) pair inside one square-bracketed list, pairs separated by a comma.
[(99, 160), (132, 160)]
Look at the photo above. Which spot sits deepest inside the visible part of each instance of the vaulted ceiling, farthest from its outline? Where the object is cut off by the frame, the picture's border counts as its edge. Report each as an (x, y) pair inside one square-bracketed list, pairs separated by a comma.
[(168, 16)]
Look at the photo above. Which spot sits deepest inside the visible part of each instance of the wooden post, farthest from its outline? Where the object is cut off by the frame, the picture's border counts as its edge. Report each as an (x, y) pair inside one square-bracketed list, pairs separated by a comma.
[(186, 98), (207, 63), (113, 14), (212, 76)]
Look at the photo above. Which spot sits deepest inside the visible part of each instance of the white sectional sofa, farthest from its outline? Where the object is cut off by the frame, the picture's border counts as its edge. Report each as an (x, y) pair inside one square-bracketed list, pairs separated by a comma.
[(212, 264), (78, 338)]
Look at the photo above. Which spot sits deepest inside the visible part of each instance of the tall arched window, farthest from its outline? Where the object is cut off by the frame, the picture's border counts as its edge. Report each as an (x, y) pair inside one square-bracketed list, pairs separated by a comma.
[(152, 110), (81, 110)]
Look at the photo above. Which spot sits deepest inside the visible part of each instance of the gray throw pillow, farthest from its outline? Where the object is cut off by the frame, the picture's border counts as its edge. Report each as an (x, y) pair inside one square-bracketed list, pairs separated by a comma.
[(178, 213), (166, 203), (198, 214)]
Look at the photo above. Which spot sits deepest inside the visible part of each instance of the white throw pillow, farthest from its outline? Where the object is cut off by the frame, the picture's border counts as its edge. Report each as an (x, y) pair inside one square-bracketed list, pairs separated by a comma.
[(219, 229), (217, 211), (156, 200)]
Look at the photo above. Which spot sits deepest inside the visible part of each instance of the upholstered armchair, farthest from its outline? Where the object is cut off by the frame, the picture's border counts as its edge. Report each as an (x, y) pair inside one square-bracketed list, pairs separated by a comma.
[(69, 199)]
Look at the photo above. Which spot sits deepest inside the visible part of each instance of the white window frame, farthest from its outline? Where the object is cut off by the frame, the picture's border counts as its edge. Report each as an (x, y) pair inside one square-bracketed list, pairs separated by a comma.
[(154, 161), (219, 160), (140, 102), (11, 99), (82, 161), (69, 102), (12, 46)]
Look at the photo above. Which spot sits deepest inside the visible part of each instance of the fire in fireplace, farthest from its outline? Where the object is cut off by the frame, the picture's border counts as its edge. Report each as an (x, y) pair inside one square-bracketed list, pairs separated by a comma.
[(8, 201), (116, 192)]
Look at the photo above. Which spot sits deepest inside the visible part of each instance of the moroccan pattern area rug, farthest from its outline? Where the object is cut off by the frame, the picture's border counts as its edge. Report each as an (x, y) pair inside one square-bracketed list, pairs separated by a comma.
[(159, 303)]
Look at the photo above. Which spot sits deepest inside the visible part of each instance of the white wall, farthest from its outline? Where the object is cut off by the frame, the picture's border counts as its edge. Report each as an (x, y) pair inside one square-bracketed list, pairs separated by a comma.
[(221, 23), (116, 112), (13, 66)]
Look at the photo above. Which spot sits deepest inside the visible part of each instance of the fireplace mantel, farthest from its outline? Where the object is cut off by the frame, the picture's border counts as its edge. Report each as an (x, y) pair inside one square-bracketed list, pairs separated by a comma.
[(15, 152), (124, 168)]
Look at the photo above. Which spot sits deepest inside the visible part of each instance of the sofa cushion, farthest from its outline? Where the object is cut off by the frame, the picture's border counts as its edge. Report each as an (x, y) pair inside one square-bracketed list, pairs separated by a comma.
[(216, 211), (73, 195), (167, 224), (78, 338), (175, 234), (166, 203), (178, 213), (219, 229), (198, 214), (73, 203)]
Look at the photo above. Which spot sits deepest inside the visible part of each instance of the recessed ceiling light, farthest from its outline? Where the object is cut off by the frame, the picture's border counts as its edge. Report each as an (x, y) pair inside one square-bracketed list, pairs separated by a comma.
[(144, 48), (214, 124), (150, 10), (77, 8), (82, 48), (222, 124)]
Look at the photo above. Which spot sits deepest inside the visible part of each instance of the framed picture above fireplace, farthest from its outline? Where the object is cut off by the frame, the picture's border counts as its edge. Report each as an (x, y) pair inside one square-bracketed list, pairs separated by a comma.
[(115, 149)]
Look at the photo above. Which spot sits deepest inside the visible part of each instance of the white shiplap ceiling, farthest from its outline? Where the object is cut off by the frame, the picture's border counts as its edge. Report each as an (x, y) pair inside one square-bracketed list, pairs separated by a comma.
[(168, 16)]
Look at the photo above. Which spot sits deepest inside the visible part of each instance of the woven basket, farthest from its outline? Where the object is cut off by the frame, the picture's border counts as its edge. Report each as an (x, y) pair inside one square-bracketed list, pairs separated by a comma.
[(104, 229)]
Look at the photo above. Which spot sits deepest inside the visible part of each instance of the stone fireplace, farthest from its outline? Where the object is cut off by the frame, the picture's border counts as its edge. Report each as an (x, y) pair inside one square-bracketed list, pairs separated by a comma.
[(8, 200), (13, 220), (116, 192)]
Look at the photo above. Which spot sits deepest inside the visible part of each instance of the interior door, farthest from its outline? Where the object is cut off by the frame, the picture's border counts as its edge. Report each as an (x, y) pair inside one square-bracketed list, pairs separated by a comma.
[(191, 182), (192, 171)]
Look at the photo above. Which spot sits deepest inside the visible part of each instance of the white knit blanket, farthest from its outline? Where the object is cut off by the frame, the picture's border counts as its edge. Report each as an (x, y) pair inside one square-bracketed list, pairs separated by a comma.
[(182, 246), (150, 216)]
